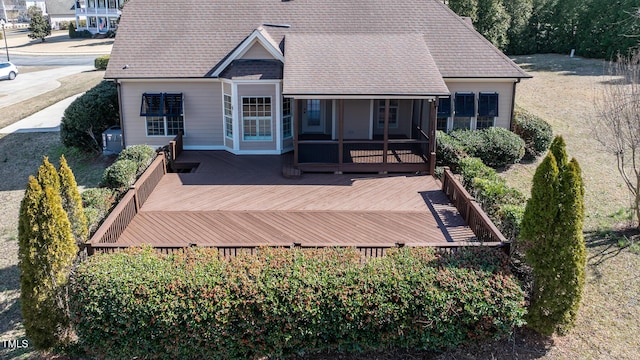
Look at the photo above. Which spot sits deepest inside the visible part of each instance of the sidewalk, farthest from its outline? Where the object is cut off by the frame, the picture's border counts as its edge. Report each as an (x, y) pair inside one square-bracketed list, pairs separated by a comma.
[(46, 120), (58, 43)]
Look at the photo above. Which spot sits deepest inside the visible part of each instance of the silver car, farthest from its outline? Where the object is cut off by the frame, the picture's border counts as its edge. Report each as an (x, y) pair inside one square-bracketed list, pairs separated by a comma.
[(8, 71)]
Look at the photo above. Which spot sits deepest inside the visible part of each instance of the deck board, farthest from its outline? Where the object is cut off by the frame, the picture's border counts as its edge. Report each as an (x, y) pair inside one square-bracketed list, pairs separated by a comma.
[(245, 200)]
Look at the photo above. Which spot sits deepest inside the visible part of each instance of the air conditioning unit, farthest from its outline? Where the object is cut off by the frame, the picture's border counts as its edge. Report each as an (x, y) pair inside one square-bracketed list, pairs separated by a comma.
[(112, 140)]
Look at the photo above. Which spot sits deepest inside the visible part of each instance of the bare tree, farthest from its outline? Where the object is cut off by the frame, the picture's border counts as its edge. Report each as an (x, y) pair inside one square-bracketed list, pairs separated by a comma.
[(617, 124)]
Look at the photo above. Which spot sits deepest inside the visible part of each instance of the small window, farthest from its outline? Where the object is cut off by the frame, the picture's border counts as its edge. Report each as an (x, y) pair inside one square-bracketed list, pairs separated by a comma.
[(228, 116), (287, 130), (163, 112), (488, 104), (393, 113), (465, 105), (483, 122)]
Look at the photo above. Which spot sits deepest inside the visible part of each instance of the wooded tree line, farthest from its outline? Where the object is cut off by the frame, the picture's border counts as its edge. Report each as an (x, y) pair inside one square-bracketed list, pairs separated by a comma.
[(594, 28)]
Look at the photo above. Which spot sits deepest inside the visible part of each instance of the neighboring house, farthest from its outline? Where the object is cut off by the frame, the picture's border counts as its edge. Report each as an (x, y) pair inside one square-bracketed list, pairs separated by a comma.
[(357, 85), (99, 16), (60, 11)]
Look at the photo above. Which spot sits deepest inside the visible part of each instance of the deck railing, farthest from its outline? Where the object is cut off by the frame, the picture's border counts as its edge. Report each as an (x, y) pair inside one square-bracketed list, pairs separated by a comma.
[(470, 210), (229, 251), (127, 208), (175, 146)]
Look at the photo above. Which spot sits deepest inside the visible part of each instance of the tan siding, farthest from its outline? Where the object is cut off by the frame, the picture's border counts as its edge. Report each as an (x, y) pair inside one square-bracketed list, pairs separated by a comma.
[(257, 51), (505, 96), (357, 119), (202, 112), (258, 90)]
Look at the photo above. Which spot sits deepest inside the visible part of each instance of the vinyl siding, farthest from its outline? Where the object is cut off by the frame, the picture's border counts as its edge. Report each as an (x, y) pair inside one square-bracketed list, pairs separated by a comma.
[(505, 97), (257, 52), (202, 112)]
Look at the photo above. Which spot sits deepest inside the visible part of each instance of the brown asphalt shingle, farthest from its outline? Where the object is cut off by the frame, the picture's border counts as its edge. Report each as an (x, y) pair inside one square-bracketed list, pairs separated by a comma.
[(189, 39), (360, 64)]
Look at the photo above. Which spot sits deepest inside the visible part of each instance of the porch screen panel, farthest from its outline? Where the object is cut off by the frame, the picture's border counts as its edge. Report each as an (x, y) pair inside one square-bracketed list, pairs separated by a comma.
[(393, 113), (444, 112)]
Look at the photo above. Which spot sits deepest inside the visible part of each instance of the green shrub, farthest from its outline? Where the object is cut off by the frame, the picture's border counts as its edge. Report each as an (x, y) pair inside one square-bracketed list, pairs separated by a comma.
[(120, 175), (536, 133), (88, 116), (98, 198), (473, 167), (72, 202), (449, 151), (142, 155), (101, 62), (72, 31), (509, 217), (497, 147), (64, 25), (284, 302)]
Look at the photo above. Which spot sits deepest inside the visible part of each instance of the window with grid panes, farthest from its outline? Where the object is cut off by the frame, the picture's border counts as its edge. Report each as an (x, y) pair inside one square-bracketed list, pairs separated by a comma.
[(163, 112), (444, 112), (464, 110), (393, 113), (487, 110), (256, 118), (287, 124), (228, 116)]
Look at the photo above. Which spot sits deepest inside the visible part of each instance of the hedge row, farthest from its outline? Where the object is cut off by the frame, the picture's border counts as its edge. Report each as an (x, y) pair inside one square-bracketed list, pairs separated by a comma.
[(502, 203), (536, 133), (131, 162), (285, 302)]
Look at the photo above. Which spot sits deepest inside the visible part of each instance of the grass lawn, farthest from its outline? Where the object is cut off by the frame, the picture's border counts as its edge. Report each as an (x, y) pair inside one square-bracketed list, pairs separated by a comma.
[(562, 92)]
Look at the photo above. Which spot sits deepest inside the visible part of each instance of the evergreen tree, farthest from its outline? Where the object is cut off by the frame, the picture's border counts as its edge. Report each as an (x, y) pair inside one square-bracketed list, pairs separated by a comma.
[(493, 22), (72, 202), (467, 8), (46, 252), (519, 12), (48, 176), (39, 27), (552, 230)]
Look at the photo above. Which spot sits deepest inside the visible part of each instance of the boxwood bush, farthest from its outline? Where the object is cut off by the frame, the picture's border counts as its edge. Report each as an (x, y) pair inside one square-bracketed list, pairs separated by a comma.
[(497, 147), (120, 175), (449, 151), (285, 302), (536, 133), (97, 202), (101, 62), (142, 155)]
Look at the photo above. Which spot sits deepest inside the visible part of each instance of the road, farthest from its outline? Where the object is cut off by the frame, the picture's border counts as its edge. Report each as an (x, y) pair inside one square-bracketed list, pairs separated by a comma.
[(47, 60)]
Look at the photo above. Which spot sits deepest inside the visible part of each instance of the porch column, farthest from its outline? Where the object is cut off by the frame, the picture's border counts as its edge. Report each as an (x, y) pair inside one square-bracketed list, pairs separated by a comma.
[(294, 128), (432, 136), (340, 134), (385, 146)]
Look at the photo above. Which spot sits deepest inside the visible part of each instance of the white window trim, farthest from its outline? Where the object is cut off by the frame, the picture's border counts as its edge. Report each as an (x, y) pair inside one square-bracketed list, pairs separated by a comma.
[(289, 117), (225, 116), (166, 126), (258, 119)]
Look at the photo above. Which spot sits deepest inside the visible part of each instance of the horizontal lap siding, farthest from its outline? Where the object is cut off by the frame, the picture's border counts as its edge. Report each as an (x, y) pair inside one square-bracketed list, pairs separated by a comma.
[(505, 96), (202, 112), (357, 119)]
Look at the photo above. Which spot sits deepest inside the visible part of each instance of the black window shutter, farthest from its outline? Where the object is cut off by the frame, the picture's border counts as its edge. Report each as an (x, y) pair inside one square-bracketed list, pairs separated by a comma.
[(151, 105), (488, 104), (444, 107), (465, 104)]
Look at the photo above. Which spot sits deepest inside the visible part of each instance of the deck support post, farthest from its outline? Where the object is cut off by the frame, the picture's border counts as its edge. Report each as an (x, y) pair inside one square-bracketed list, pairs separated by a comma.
[(294, 125), (432, 136), (385, 146), (340, 134)]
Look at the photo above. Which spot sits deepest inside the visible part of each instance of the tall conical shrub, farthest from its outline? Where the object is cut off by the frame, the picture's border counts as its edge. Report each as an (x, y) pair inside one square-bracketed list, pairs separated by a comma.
[(72, 202), (46, 252), (552, 230)]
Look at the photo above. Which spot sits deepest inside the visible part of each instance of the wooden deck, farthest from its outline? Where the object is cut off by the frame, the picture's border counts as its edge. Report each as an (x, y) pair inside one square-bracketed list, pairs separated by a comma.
[(233, 200)]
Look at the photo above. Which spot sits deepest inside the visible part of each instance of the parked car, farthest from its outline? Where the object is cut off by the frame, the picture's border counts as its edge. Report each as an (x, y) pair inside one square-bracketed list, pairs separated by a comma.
[(8, 71)]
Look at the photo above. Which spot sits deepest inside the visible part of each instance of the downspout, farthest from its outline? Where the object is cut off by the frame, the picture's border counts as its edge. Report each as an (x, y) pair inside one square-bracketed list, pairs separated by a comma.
[(513, 104), (119, 89)]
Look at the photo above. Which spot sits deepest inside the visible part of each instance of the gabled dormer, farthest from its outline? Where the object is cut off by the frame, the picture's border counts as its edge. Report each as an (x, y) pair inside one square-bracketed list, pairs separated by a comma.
[(259, 45)]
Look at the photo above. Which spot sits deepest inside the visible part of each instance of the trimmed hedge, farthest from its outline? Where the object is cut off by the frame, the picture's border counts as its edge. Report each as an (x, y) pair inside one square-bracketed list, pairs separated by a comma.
[(536, 133), (97, 202), (101, 62), (488, 188), (285, 302), (120, 175), (449, 151), (142, 155), (497, 147)]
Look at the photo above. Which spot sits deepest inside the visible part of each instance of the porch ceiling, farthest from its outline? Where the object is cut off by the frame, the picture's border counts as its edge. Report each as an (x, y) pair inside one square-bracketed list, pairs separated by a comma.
[(360, 65)]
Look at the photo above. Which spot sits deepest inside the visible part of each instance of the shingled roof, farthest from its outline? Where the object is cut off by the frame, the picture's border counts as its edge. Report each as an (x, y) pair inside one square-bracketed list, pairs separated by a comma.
[(423, 39)]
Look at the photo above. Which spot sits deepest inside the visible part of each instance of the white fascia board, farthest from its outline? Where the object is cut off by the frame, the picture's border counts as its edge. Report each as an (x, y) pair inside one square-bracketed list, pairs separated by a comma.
[(256, 36), (167, 80), (479, 80), (359, 97)]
